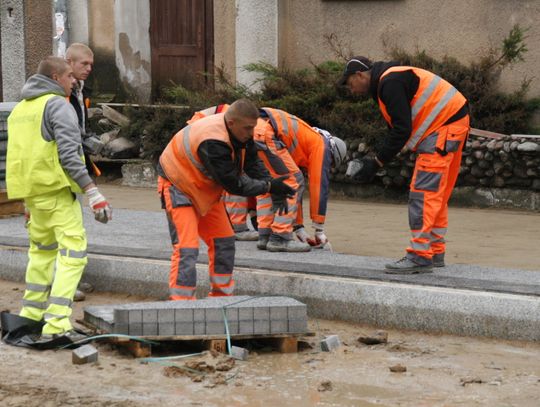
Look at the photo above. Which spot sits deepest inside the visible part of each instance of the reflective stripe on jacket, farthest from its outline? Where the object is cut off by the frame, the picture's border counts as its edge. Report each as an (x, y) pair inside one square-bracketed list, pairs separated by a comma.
[(435, 101), (182, 166), (32, 164)]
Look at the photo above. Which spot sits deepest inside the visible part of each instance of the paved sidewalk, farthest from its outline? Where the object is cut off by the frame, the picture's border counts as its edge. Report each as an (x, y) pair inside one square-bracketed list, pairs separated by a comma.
[(132, 252)]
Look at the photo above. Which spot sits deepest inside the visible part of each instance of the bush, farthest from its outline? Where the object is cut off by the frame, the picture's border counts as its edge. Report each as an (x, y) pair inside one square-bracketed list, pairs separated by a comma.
[(311, 94)]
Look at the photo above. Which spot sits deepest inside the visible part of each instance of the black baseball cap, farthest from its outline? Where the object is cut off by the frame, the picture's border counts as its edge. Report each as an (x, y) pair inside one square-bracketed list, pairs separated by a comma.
[(355, 64)]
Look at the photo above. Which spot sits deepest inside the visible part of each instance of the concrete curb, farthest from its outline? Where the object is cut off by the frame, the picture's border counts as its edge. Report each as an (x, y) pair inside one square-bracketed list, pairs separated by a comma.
[(380, 303)]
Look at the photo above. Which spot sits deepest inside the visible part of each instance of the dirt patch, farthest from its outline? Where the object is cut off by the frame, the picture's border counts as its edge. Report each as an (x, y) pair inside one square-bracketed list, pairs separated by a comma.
[(438, 372)]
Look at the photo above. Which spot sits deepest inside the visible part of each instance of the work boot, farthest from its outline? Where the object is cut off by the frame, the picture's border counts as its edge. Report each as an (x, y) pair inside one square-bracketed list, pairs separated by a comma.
[(290, 246), (438, 260), (263, 242), (72, 335), (407, 266), (79, 296), (247, 236)]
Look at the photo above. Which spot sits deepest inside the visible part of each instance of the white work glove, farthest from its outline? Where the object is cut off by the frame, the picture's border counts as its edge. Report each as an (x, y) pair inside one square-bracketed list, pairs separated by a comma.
[(301, 234), (100, 206), (320, 238)]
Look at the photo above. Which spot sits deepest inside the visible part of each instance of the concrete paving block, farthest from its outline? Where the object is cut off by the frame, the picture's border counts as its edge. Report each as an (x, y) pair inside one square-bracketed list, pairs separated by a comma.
[(245, 327), (166, 329), (166, 316), (136, 329), (84, 354), (215, 328), (231, 314), (199, 328), (150, 329), (184, 328), (245, 314), (239, 353), (261, 313), (298, 326), (213, 314), (150, 316), (297, 312), (261, 327), (278, 313), (183, 315), (121, 316), (135, 317), (199, 315), (279, 327), (234, 327), (330, 343)]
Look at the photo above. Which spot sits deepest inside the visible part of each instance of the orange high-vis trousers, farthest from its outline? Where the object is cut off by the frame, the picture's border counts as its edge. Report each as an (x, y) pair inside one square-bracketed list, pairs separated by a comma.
[(186, 225), (279, 162), (238, 209), (435, 174)]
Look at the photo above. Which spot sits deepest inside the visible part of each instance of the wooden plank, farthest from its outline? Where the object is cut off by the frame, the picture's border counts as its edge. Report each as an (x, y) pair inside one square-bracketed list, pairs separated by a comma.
[(138, 349), (487, 134), (287, 345), (114, 116), (219, 345), (179, 107), (10, 207), (529, 136)]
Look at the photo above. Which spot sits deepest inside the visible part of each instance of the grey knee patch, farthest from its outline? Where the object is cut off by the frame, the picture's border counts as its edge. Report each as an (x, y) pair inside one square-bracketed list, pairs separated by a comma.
[(416, 210), (224, 250)]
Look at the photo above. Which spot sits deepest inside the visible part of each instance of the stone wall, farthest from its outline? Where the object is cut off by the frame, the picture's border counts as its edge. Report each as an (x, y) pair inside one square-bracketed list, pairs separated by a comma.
[(512, 162)]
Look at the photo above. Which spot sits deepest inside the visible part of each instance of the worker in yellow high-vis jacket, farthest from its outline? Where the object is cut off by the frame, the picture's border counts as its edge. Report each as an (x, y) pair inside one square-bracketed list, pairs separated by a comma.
[(45, 167)]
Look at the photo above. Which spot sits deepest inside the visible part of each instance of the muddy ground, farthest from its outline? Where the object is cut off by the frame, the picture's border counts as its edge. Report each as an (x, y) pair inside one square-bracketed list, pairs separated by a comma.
[(440, 371)]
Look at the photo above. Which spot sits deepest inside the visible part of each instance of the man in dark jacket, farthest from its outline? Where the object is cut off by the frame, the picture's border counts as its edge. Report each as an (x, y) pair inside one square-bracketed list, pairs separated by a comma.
[(427, 115)]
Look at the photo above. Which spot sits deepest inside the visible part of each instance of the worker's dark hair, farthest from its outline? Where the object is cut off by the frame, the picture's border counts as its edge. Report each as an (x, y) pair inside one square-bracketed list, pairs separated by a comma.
[(242, 108), (52, 65)]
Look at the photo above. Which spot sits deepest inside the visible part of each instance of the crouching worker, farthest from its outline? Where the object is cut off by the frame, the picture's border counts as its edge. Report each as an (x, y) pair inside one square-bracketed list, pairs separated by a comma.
[(210, 155), (45, 167)]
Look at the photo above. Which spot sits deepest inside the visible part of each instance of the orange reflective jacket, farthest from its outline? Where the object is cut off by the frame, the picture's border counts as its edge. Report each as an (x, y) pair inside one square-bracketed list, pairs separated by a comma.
[(435, 101), (309, 150), (182, 166), (208, 112)]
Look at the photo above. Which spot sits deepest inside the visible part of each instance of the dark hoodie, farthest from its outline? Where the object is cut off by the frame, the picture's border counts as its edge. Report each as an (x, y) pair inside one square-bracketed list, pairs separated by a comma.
[(396, 91), (60, 124)]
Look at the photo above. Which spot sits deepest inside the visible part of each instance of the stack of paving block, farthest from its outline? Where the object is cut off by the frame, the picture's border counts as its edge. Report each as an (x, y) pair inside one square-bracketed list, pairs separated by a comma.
[(240, 315)]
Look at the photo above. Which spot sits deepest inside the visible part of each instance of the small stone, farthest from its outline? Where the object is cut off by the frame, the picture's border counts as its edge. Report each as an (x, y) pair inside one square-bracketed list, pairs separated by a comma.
[(374, 339), (239, 353), (86, 287), (398, 368), (325, 386), (528, 146), (330, 343), (84, 354)]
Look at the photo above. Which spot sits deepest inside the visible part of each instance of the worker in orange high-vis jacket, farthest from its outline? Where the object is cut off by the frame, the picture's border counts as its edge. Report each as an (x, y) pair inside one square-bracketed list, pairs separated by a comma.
[(201, 160), (315, 152), (426, 115), (279, 163), (238, 207)]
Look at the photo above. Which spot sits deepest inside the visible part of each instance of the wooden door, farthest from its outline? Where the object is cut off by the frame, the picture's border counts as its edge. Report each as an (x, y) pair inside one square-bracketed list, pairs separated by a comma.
[(181, 37)]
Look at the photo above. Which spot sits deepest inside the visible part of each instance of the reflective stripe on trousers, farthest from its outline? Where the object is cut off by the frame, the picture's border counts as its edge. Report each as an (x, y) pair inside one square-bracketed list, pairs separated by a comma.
[(57, 238), (215, 230), (238, 208), (431, 187)]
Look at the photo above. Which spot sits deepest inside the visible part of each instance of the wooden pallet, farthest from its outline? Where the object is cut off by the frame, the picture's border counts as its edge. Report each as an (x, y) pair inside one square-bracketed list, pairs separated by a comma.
[(283, 343)]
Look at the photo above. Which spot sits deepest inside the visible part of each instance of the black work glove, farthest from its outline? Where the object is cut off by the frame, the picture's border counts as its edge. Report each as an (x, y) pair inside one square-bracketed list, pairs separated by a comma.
[(363, 170), (278, 187), (279, 205)]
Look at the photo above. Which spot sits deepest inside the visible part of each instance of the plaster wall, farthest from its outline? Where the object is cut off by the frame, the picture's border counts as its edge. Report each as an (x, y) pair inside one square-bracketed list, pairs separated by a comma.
[(13, 53), (78, 21), (257, 36), (132, 46), (459, 28), (101, 25), (38, 33), (225, 37)]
